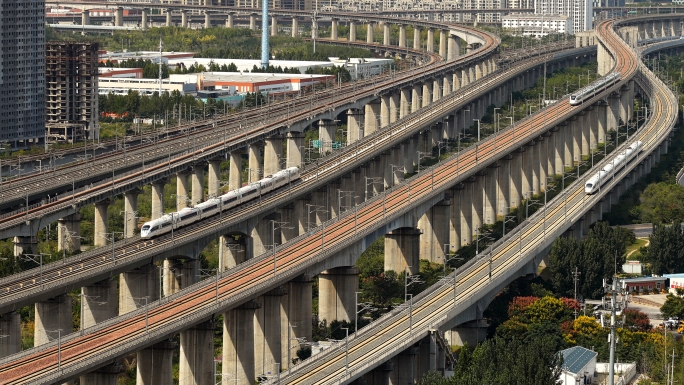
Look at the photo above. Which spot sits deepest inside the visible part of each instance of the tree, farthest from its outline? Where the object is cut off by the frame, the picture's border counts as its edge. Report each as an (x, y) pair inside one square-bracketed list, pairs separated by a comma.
[(666, 249), (637, 320), (673, 307), (662, 203)]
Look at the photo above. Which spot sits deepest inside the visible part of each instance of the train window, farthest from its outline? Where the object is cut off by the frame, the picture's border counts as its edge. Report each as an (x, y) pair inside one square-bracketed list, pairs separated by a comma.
[(211, 207), (589, 185), (231, 199), (145, 228), (572, 98)]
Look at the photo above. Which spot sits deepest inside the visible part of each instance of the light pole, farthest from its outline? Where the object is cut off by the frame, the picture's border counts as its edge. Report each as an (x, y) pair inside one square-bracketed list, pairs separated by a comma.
[(422, 155), (344, 194), (410, 280), (36, 258), (147, 311), (496, 118), (462, 129), (309, 211), (396, 169), (281, 225)]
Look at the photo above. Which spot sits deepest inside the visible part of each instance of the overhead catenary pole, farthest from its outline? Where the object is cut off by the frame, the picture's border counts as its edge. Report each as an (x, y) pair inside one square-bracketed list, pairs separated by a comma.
[(264, 33)]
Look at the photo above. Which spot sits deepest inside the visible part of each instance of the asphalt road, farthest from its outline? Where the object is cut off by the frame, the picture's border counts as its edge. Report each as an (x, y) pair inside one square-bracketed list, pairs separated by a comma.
[(642, 230)]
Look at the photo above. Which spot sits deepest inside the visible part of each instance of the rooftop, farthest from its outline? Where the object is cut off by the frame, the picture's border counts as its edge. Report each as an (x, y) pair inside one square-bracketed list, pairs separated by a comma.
[(576, 358), (645, 279)]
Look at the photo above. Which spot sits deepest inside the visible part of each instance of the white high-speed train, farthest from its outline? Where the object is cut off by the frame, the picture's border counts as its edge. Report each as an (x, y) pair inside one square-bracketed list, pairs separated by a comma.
[(595, 182), (213, 206), (591, 90)]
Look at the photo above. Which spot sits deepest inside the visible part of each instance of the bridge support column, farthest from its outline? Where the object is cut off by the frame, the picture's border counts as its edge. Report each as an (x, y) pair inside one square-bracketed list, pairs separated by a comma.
[(446, 85), (182, 193), (613, 113), (262, 235), (429, 355), (158, 199), (238, 343), (406, 367), (415, 98), (380, 375), (10, 327), (230, 22), (503, 191), (52, 315), (443, 43), (570, 154), (516, 177), (130, 213), (85, 17), (179, 274), (235, 172), (352, 31), (296, 318), (402, 36), (471, 333), (625, 102), (369, 33), (101, 225), (384, 111), (371, 116), (431, 40), (416, 37), (455, 218), (584, 122), (405, 94), (407, 152), (545, 148), (434, 226), (155, 364), (294, 141), (136, 285), (232, 252), (528, 164), (267, 338), (252, 22), (274, 26), (478, 201), (386, 34), (168, 18), (207, 20), (272, 152), (68, 233), (198, 183), (336, 293), (466, 214), (214, 176), (196, 359), (255, 162), (354, 125), (184, 18), (426, 95), (535, 166), (453, 48), (99, 302), (394, 103), (490, 194), (118, 17), (436, 91), (106, 375), (326, 134), (402, 250), (295, 27)]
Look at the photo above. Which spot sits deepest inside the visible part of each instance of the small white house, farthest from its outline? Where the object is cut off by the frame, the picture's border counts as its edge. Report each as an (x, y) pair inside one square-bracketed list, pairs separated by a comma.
[(578, 364)]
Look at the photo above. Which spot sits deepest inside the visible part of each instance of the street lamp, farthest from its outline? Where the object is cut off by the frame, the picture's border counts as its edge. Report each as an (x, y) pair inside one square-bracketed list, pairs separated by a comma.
[(422, 155)]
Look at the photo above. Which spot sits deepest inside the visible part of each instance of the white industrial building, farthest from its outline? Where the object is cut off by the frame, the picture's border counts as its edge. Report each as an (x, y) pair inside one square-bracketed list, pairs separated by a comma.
[(362, 67), (238, 82), (121, 86), (538, 25), (580, 11), (245, 65)]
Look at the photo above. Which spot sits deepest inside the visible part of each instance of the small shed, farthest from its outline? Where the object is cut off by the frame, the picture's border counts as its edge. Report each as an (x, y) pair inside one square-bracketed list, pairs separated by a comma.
[(579, 364)]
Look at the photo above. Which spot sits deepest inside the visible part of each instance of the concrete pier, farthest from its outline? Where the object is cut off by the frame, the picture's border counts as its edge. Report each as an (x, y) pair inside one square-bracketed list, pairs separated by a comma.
[(158, 199), (255, 162), (295, 142), (52, 315), (402, 250), (267, 328), (130, 214), (434, 228), (182, 191), (155, 364), (136, 285), (214, 176), (69, 232), (196, 359), (336, 293), (99, 302), (10, 329), (238, 343), (235, 172), (197, 183), (296, 317), (101, 226), (273, 150)]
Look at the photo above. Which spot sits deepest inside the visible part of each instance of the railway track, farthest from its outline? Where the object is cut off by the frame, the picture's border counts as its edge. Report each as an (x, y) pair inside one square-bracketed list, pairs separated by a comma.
[(23, 288), (143, 327), (215, 140)]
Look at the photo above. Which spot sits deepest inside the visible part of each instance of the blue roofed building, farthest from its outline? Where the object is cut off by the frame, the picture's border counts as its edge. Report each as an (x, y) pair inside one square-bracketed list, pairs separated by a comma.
[(579, 365)]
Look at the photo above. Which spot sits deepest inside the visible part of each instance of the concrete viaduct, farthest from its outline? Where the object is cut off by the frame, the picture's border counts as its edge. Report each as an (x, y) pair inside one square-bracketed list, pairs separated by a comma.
[(478, 198)]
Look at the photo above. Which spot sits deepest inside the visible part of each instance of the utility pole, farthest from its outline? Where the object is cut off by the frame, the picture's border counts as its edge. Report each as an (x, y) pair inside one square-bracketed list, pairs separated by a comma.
[(614, 289), (575, 278)]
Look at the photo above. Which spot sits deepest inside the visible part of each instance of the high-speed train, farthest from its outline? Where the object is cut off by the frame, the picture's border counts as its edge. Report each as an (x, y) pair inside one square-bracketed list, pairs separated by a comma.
[(213, 206), (590, 90), (595, 182)]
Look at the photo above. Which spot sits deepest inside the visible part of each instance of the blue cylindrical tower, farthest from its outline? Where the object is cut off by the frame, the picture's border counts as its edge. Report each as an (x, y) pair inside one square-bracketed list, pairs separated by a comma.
[(264, 34)]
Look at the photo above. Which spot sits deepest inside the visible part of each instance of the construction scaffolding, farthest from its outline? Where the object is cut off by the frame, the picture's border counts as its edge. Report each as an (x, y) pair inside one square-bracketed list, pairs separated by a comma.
[(71, 100)]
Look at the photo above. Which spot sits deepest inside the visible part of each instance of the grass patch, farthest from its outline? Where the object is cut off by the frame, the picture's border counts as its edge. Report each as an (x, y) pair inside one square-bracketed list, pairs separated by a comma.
[(633, 252)]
